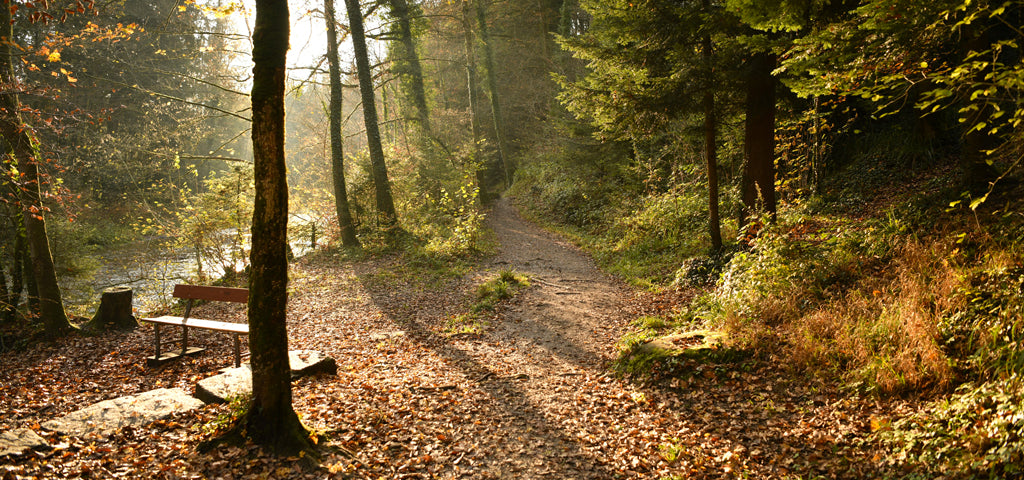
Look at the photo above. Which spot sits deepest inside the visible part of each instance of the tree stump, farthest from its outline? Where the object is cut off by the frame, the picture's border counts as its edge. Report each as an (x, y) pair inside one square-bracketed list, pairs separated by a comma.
[(115, 310)]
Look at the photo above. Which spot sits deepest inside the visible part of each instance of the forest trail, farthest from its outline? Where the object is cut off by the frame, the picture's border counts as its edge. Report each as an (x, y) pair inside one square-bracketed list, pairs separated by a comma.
[(540, 400), (553, 343)]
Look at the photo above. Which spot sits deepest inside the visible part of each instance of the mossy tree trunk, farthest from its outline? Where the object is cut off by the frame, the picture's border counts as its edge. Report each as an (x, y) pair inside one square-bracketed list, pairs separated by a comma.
[(492, 89), (474, 99), (25, 151), (387, 217), (270, 420), (345, 222), (412, 71)]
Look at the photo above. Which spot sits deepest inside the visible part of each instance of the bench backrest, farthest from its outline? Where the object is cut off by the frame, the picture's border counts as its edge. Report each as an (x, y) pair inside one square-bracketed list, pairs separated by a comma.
[(220, 294)]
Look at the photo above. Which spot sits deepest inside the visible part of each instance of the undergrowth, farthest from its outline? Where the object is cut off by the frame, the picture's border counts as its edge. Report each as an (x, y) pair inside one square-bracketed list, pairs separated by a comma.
[(889, 285)]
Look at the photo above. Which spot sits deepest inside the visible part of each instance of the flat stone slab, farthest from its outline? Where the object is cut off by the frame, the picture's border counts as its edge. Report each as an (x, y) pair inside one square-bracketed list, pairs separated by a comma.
[(230, 383), (108, 416), (235, 382), (311, 362), (18, 441)]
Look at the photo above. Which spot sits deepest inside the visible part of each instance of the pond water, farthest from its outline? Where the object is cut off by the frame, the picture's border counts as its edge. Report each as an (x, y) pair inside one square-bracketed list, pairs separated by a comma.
[(151, 267)]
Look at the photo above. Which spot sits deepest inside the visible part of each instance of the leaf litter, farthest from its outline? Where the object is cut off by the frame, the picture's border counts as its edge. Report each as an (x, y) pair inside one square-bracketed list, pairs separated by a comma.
[(531, 396)]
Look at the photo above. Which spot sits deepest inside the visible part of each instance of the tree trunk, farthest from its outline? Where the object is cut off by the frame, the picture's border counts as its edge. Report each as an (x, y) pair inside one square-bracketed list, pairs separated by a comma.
[(115, 311), (413, 70), (6, 307), (345, 222), (387, 217), (759, 147), (710, 139), (474, 101), (26, 155), (270, 421), (492, 87)]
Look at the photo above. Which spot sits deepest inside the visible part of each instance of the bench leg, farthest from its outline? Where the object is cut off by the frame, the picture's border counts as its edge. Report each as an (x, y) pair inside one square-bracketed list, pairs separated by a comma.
[(157, 331), (184, 340), (238, 351)]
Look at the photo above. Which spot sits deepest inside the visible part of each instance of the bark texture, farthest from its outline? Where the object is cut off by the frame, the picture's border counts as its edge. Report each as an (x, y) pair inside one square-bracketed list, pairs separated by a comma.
[(270, 421), (759, 146), (341, 206), (387, 217), (25, 150)]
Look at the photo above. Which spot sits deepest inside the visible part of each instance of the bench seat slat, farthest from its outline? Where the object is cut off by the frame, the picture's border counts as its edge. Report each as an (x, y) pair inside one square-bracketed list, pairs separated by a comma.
[(203, 292), (241, 328)]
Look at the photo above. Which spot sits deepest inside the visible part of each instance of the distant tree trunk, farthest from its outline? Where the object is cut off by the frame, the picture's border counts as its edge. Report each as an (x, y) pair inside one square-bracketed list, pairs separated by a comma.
[(6, 306), (31, 286), (345, 222), (26, 155), (385, 202), (474, 100), (711, 141), (492, 88), (270, 420), (413, 70), (15, 253), (759, 147)]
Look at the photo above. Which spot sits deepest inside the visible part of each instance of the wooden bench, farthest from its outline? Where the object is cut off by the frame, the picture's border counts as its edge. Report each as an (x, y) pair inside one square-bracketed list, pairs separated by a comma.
[(191, 293)]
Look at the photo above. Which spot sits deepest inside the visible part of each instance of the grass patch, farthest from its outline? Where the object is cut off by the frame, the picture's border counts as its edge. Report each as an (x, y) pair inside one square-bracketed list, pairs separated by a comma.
[(488, 295)]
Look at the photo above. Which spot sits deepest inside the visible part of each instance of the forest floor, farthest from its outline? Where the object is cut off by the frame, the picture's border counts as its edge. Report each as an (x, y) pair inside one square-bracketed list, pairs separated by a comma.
[(529, 396)]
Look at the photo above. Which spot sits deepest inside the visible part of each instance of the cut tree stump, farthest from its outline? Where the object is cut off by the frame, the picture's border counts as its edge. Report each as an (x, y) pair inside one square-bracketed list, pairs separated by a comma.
[(115, 310)]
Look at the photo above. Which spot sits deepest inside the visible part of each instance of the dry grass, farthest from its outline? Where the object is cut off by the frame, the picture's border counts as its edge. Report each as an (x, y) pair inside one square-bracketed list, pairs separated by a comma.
[(885, 331)]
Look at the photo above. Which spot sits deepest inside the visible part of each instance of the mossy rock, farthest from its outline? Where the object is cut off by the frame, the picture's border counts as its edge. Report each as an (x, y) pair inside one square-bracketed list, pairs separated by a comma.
[(698, 344)]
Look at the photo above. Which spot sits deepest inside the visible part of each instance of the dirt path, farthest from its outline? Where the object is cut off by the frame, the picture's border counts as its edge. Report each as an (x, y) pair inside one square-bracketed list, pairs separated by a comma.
[(530, 397), (553, 342)]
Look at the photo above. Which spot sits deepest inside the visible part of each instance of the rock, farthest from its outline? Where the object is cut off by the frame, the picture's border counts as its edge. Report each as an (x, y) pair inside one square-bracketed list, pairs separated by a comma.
[(692, 344), (108, 416), (231, 382), (234, 382), (16, 442), (311, 362)]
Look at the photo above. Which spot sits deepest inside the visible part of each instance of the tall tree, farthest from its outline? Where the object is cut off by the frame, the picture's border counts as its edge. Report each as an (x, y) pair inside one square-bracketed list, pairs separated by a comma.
[(410, 68), (652, 67), (270, 420), (469, 41), (710, 129), (345, 222), (492, 89), (25, 150), (759, 142), (387, 217)]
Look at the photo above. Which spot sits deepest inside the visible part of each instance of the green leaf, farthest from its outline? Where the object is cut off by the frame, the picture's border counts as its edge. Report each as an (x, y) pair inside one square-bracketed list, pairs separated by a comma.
[(978, 201)]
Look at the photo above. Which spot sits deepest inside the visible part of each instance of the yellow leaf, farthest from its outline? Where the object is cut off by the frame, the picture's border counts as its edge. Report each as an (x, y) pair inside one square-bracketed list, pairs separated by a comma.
[(182, 8), (54, 56)]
